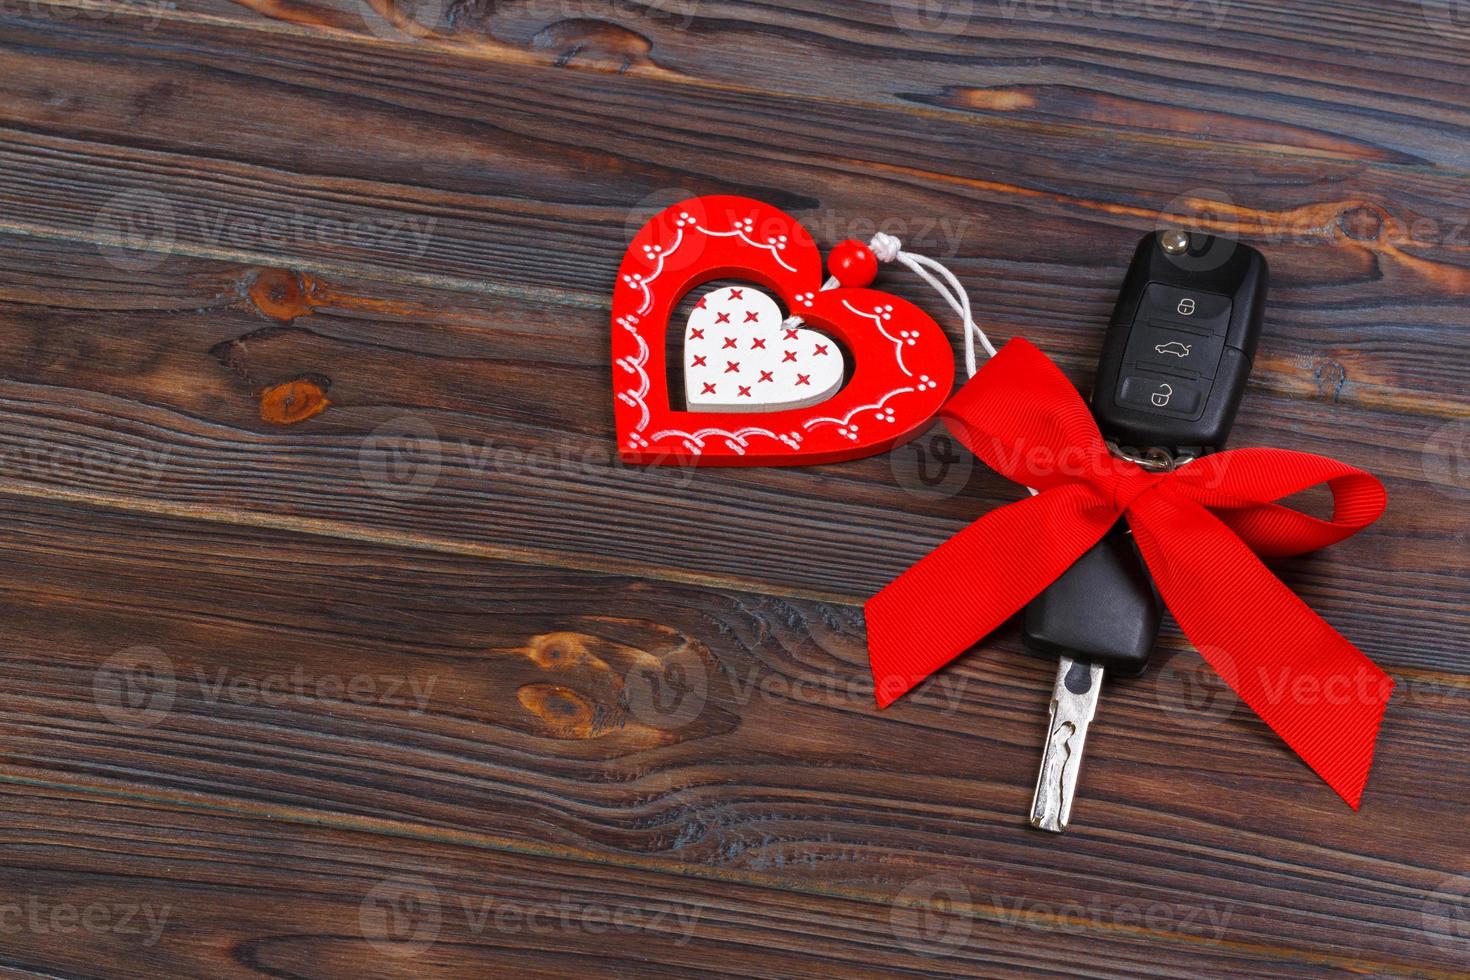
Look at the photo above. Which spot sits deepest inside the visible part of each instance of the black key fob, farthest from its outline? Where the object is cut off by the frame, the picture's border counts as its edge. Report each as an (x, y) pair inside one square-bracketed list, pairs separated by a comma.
[(1180, 343), (1174, 365)]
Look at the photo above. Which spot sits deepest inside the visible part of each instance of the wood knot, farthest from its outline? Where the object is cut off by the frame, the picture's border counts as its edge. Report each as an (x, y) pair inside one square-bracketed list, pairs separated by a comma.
[(594, 44), (656, 689), (293, 401), (564, 650), (993, 99), (565, 713), (281, 294)]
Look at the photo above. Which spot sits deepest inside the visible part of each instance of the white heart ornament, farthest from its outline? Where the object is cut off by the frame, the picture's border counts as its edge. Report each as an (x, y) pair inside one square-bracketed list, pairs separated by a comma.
[(739, 357)]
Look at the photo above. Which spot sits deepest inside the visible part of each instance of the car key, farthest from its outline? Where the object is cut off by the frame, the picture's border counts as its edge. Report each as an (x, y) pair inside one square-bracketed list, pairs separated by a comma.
[(1174, 364)]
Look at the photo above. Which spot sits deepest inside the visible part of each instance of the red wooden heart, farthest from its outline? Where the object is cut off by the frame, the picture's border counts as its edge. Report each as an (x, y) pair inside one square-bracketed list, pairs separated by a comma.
[(903, 365)]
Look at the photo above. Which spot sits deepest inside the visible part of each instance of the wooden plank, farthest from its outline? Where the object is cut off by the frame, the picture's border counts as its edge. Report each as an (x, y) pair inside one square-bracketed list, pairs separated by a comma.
[(154, 886), (143, 390), (544, 683), (1368, 81), (497, 204), (508, 161), (721, 735)]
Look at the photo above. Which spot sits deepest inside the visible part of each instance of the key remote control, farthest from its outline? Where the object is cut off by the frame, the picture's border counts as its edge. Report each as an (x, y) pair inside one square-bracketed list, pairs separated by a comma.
[(1174, 365), (1180, 343)]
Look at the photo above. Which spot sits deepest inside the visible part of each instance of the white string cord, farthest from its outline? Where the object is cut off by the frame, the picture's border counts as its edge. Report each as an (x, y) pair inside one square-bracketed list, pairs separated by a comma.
[(889, 249)]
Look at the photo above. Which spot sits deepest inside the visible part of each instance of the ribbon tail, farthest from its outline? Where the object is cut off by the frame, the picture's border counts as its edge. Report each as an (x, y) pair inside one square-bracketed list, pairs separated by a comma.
[(1314, 688), (960, 592)]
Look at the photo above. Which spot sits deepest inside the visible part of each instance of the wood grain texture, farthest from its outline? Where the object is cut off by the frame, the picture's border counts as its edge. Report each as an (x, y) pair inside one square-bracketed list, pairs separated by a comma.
[(437, 437), (722, 736), (324, 633), (326, 897)]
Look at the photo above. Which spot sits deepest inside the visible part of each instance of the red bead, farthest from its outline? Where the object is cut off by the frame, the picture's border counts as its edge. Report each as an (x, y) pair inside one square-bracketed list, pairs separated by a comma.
[(853, 264)]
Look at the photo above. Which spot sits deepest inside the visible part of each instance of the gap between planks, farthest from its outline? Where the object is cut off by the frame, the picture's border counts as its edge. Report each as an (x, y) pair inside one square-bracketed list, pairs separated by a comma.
[(424, 833)]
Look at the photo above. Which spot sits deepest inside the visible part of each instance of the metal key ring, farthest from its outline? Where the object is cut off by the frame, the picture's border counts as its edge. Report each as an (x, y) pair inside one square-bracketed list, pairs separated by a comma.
[(1155, 460)]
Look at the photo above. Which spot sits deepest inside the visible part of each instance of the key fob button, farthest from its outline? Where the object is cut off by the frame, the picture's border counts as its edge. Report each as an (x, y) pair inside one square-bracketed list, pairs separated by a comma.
[(1175, 350), (1163, 394), (1179, 345), (1193, 308)]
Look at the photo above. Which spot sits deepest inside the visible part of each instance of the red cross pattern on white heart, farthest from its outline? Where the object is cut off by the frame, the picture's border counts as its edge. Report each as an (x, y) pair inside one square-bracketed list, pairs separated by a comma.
[(740, 357)]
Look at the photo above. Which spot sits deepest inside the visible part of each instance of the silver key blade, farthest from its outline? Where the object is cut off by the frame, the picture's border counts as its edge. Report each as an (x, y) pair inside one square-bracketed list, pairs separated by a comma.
[(1073, 703)]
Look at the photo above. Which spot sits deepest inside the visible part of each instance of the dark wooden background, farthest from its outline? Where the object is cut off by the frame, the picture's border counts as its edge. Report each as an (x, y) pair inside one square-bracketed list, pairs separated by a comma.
[(334, 643)]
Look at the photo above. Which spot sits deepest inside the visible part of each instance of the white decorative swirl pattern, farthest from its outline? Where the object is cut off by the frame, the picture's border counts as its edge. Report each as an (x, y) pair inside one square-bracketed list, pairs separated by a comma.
[(694, 441), (845, 425), (880, 314), (742, 228), (636, 396)]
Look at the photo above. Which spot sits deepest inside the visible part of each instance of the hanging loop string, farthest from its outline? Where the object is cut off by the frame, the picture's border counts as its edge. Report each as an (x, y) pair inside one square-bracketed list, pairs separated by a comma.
[(889, 249)]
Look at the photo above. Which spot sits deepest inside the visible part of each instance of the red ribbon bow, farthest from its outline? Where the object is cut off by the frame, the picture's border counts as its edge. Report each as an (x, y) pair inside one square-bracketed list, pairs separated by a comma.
[(1199, 529)]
